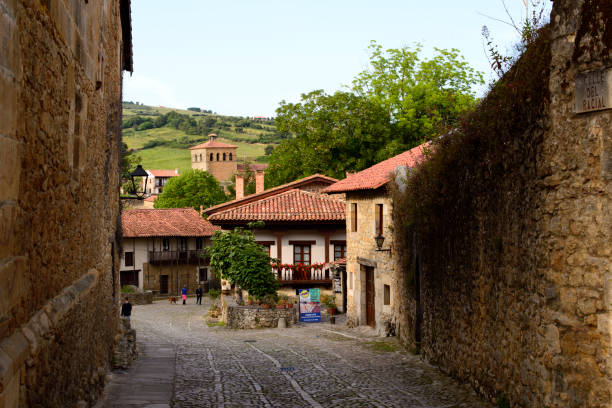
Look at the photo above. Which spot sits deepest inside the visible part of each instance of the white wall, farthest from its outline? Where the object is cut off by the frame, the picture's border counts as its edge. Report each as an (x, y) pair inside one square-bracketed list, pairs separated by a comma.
[(318, 250)]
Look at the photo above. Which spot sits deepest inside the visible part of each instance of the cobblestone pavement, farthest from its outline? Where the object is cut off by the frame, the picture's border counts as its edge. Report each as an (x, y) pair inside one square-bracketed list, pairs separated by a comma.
[(315, 365)]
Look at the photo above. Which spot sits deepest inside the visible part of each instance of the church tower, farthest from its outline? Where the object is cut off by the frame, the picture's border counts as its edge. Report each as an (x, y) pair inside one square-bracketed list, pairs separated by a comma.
[(217, 158)]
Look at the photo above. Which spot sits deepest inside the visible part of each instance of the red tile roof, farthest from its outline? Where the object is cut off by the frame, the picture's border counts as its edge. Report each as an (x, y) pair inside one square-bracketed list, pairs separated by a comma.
[(163, 173), (290, 206), (212, 143), (306, 181), (379, 174), (165, 222)]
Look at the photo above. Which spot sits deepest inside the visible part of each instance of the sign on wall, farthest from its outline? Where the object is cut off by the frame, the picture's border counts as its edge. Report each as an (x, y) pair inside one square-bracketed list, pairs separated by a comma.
[(593, 91), (310, 305)]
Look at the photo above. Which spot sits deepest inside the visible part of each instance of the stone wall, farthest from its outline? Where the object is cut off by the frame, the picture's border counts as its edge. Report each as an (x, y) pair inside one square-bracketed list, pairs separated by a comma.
[(60, 93), (253, 317), (362, 253), (178, 275), (508, 281), (144, 298)]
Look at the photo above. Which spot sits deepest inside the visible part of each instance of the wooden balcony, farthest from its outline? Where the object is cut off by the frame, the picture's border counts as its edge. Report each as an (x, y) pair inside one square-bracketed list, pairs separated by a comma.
[(308, 276), (191, 256)]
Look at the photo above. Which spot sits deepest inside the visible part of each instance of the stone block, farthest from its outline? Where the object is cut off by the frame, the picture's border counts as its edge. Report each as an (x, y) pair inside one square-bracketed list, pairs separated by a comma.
[(13, 283), (17, 348), (9, 396), (8, 101), (8, 215), (10, 168)]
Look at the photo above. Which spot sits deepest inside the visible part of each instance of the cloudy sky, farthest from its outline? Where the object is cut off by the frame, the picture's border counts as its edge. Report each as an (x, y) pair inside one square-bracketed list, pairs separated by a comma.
[(239, 57)]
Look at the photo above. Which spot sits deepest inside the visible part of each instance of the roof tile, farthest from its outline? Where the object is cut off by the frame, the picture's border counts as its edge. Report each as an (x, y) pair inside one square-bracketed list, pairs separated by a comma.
[(292, 205), (165, 222), (379, 174), (212, 143)]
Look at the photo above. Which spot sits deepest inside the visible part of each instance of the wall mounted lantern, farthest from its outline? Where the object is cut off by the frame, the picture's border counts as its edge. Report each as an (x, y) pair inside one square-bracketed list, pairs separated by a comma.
[(138, 172), (380, 240)]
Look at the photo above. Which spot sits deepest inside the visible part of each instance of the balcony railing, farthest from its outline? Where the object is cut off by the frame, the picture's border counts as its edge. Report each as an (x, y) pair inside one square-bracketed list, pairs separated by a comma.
[(302, 274), (191, 256)]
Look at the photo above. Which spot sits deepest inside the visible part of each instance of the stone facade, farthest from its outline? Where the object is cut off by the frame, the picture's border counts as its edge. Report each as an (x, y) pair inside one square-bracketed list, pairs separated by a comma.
[(363, 256), (254, 317), (60, 93), (223, 164), (144, 298), (520, 304)]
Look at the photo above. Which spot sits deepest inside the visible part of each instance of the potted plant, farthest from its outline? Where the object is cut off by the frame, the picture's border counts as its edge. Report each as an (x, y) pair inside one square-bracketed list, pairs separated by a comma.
[(330, 302), (281, 304), (250, 300), (265, 306)]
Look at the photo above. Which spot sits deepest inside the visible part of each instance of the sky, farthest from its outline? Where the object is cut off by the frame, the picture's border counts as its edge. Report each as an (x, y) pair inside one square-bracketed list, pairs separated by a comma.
[(239, 57)]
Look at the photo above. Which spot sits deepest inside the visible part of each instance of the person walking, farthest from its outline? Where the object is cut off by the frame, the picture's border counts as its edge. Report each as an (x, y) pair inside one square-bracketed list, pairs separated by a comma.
[(199, 295), (126, 309), (184, 294)]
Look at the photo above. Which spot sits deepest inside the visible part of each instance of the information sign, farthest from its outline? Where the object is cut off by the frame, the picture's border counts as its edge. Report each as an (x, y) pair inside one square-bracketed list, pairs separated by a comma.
[(310, 306)]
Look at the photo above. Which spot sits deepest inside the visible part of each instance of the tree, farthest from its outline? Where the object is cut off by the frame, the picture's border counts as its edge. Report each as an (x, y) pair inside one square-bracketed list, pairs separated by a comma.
[(238, 258), (422, 96), (268, 150), (194, 188), (402, 101), (333, 134), (249, 181), (129, 161)]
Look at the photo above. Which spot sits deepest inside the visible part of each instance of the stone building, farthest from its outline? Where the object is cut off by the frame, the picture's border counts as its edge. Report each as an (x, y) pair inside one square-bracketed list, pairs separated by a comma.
[(507, 267), (61, 68), (164, 248), (217, 158), (371, 282)]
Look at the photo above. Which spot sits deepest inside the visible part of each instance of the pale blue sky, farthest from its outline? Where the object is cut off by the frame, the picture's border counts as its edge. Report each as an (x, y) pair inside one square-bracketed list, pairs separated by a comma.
[(244, 57)]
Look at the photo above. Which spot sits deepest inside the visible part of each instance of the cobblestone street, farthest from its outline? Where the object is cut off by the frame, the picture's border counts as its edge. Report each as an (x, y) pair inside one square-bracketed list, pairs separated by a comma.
[(185, 363)]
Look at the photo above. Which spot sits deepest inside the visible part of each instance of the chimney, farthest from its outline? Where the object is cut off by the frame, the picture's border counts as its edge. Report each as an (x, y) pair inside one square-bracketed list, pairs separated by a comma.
[(259, 181), (201, 209), (212, 136), (239, 186)]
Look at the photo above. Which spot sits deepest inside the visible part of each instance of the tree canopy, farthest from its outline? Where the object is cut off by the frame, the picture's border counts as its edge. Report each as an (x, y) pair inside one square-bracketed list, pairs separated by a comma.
[(194, 188), (238, 258), (402, 101)]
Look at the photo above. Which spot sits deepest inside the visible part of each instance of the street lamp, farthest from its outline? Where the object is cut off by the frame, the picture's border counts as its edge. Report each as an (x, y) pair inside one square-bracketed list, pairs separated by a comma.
[(380, 240), (139, 172)]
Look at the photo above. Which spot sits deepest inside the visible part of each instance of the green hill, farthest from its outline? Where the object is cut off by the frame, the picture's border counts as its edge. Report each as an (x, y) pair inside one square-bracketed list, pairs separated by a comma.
[(162, 136)]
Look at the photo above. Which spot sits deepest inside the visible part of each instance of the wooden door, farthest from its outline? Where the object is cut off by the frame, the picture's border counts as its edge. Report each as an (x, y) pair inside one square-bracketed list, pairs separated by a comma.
[(163, 284), (369, 289)]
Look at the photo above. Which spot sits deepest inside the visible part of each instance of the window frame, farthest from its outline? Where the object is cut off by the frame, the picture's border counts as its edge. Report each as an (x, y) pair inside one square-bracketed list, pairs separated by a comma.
[(128, 255), (165, 244), (302, 253)]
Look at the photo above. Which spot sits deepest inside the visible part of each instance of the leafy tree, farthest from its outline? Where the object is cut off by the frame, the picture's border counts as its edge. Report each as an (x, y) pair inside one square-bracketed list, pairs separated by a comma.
[(238, 258), (268, 150), (422, 96), (402, 101), (334, 134), (129, 161), (194, 188), (194, 109)]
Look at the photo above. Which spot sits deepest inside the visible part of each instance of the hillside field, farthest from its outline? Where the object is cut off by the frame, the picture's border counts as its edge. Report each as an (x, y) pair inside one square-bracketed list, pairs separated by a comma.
[(167, 147)]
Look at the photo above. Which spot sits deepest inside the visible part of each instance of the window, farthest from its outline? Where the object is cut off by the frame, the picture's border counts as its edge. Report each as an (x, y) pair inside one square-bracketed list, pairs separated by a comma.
[(354, 217), (195, 157), (224, 157), (379, 219), (129, 259), (165, 244), (387, 294), (199, 243), (339, 250), (203, 274), (230, 157), (200, 156), (211, 157), (217, 156), (301, 254), (267, 246), (183, 244)]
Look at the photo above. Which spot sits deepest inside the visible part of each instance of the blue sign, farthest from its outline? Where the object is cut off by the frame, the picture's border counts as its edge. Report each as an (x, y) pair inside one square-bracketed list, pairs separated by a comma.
[(310, 306)]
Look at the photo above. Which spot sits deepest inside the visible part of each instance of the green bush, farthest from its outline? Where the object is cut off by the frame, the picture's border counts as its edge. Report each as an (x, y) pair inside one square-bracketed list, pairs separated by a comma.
[(127, 289), (214, 293)]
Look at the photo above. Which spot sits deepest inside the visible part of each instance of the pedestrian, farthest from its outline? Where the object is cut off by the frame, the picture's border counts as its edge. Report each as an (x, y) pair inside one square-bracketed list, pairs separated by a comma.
[(199, 295), (184, 293), (126, 309)]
